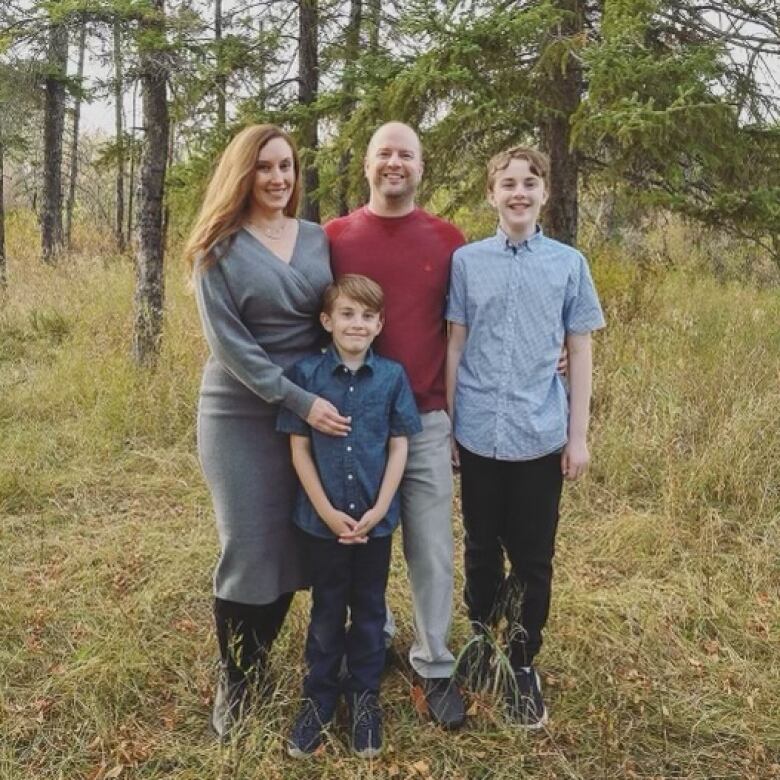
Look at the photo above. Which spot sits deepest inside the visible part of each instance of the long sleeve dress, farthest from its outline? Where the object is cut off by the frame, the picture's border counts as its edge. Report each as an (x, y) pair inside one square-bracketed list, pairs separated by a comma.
[(259, 316)]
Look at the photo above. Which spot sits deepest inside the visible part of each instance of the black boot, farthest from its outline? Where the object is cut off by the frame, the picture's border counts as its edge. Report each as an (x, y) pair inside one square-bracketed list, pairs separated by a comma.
[(245, 633)]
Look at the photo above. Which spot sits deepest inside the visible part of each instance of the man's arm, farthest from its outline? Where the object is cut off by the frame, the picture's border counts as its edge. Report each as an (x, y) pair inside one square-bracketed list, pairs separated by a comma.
[(575, 457), (339, 522), (455, 345), (397, 450)]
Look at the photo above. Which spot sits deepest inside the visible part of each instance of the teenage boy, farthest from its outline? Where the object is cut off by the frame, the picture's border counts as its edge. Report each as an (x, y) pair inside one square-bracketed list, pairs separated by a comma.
[(346, 511), (408, 252), (515, 299)]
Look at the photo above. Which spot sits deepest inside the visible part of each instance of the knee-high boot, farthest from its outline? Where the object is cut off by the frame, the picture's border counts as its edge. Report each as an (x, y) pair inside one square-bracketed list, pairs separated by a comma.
[(245, 633)]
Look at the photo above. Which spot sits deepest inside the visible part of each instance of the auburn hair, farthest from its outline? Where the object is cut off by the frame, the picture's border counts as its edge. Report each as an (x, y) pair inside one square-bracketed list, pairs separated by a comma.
[(538, 162), (357, 288), (229, 192)]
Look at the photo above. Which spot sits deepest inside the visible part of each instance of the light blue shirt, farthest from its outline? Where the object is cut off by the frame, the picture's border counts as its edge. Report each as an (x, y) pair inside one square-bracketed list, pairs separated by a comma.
[(518, 302)]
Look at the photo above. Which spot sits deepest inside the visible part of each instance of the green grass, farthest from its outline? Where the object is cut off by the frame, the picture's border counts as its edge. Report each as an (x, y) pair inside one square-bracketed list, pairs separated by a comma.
[(662, 655)]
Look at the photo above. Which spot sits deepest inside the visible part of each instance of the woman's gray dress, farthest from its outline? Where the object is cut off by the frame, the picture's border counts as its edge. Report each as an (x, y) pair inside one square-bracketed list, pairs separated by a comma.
[(259, 315)]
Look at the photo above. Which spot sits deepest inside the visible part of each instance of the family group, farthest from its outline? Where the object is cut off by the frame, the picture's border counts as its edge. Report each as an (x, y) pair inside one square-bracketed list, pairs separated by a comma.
[(352, 367)]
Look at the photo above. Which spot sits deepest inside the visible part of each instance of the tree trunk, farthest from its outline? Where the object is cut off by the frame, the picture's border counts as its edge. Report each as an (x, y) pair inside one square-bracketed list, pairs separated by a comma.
[(131, 172), (3, 271), (220, 81), (308, 85), (149, 290), (351, 54), (74, 149), (564, 92), (119, 135), (53, 127), (374, 23)]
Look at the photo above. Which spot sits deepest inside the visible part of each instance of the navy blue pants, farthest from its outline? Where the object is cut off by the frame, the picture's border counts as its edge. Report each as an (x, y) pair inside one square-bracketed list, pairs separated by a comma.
[(510, 508), (345, 577)]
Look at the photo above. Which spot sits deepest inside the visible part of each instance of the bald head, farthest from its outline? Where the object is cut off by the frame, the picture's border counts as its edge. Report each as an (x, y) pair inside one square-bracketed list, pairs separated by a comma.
[(398, 132), (393, 167)]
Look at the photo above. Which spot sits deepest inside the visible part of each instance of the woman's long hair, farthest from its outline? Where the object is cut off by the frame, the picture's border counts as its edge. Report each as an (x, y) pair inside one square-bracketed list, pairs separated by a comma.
[(228, 194)]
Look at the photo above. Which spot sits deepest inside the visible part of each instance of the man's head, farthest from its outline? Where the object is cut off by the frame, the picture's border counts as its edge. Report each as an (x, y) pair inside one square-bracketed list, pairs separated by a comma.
[(393, 166), (517, 188), (353, 313)]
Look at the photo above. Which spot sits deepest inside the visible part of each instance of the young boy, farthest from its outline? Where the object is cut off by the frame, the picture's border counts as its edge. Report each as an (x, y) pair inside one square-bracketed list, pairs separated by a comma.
[(346, 511), (515, 299)]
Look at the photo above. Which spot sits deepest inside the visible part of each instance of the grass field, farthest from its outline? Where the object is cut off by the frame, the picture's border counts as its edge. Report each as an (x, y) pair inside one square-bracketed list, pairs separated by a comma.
[(662, 657)]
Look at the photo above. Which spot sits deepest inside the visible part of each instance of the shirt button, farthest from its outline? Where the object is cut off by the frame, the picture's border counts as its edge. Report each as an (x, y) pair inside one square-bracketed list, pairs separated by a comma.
[(349, 448), (349, 476), (351, 389), (351, 506)]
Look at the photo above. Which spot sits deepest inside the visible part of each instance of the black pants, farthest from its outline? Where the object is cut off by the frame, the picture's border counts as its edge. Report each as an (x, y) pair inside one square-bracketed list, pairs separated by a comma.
[(510, 507), (245, 633), (354, 577)]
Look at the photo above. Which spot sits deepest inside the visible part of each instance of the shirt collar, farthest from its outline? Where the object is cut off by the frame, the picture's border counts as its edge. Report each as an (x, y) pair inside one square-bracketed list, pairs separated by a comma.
[(335, 363), (507, 243)]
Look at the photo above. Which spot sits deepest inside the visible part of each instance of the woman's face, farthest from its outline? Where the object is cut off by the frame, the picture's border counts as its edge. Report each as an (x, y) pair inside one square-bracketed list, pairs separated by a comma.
[(274, 178)]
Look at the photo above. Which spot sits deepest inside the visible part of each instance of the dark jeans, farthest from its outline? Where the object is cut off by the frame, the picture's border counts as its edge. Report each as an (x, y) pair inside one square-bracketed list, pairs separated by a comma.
[(510, 507), (345, 576), (245, 633)]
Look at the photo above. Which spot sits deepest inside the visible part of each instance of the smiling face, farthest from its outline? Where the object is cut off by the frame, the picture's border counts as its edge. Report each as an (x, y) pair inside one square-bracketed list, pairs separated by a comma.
[(518, 195), (274, 178), (352, 325), (393, 167)]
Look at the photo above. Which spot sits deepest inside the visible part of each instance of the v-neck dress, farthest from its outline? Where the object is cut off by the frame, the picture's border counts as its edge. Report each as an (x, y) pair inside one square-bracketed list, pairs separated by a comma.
[(259, 315)]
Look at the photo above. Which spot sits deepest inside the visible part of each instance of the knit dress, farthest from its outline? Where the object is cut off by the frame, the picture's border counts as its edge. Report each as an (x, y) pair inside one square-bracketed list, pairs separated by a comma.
[(259, 315)]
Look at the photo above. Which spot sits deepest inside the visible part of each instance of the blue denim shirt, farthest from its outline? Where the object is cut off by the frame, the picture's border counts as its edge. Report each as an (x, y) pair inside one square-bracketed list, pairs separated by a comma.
[(518, 301), (379, 399)]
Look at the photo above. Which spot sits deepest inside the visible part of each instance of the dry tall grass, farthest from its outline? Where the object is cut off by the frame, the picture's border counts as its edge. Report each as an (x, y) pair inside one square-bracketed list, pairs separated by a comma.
[(662, 651)]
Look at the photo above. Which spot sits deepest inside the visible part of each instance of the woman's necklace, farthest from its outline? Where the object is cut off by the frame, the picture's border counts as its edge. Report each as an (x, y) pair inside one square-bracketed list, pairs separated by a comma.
[(273, 233)]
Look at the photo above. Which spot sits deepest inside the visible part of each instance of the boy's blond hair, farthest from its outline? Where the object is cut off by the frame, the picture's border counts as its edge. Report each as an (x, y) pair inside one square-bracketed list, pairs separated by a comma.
[(538, 162), (356, 287)]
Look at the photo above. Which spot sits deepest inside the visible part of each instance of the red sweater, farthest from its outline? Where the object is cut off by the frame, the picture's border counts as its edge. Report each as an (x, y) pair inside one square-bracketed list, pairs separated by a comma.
[(410, 258)]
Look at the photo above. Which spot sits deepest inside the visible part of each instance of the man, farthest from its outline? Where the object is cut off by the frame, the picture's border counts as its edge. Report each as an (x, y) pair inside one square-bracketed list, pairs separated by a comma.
[(408, 252)]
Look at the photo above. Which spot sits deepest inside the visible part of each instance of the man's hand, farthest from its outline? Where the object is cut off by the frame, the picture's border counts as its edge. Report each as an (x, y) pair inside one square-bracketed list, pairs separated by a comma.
[(325, 417), (361, 530), (574, 459), (454, 453), (563, 362), (342, 525)]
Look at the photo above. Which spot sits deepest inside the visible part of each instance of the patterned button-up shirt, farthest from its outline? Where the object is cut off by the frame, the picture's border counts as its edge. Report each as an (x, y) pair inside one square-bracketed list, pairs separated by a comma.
[(518, 302), (379, 400)]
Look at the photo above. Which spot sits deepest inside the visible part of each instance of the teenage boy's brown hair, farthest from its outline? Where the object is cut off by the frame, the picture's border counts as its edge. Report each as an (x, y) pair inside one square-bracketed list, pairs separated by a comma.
[(356, 287), (538, 162)]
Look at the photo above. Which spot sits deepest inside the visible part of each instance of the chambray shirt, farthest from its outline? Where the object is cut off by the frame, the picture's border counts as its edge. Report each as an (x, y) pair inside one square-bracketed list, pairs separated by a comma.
[(518, 302), (379, 399)]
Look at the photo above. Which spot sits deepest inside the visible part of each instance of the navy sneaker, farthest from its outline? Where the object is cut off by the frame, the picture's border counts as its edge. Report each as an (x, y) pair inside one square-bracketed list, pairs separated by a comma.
[(366, 723), (524, 699), (307, 731)]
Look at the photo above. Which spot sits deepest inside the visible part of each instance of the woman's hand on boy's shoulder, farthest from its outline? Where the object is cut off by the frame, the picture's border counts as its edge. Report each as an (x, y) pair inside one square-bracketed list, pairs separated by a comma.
[(575, 458)]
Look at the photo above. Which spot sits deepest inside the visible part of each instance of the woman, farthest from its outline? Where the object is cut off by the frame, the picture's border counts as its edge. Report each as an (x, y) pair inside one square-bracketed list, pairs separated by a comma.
[(259, 274)]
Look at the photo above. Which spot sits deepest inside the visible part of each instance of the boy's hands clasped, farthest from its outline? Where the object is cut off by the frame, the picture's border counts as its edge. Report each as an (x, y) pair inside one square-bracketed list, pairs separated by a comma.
[(357, 530)]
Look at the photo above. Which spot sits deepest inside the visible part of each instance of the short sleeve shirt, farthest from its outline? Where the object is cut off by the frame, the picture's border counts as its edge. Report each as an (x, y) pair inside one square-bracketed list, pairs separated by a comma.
[(518, 301), (379, 400)]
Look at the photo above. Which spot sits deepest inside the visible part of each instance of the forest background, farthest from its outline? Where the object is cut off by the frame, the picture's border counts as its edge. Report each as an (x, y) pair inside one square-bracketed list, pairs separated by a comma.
[(661, 119)]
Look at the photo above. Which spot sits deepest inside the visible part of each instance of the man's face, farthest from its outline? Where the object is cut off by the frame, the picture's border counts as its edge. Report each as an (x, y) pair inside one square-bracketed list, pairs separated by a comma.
[(393, 164)]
